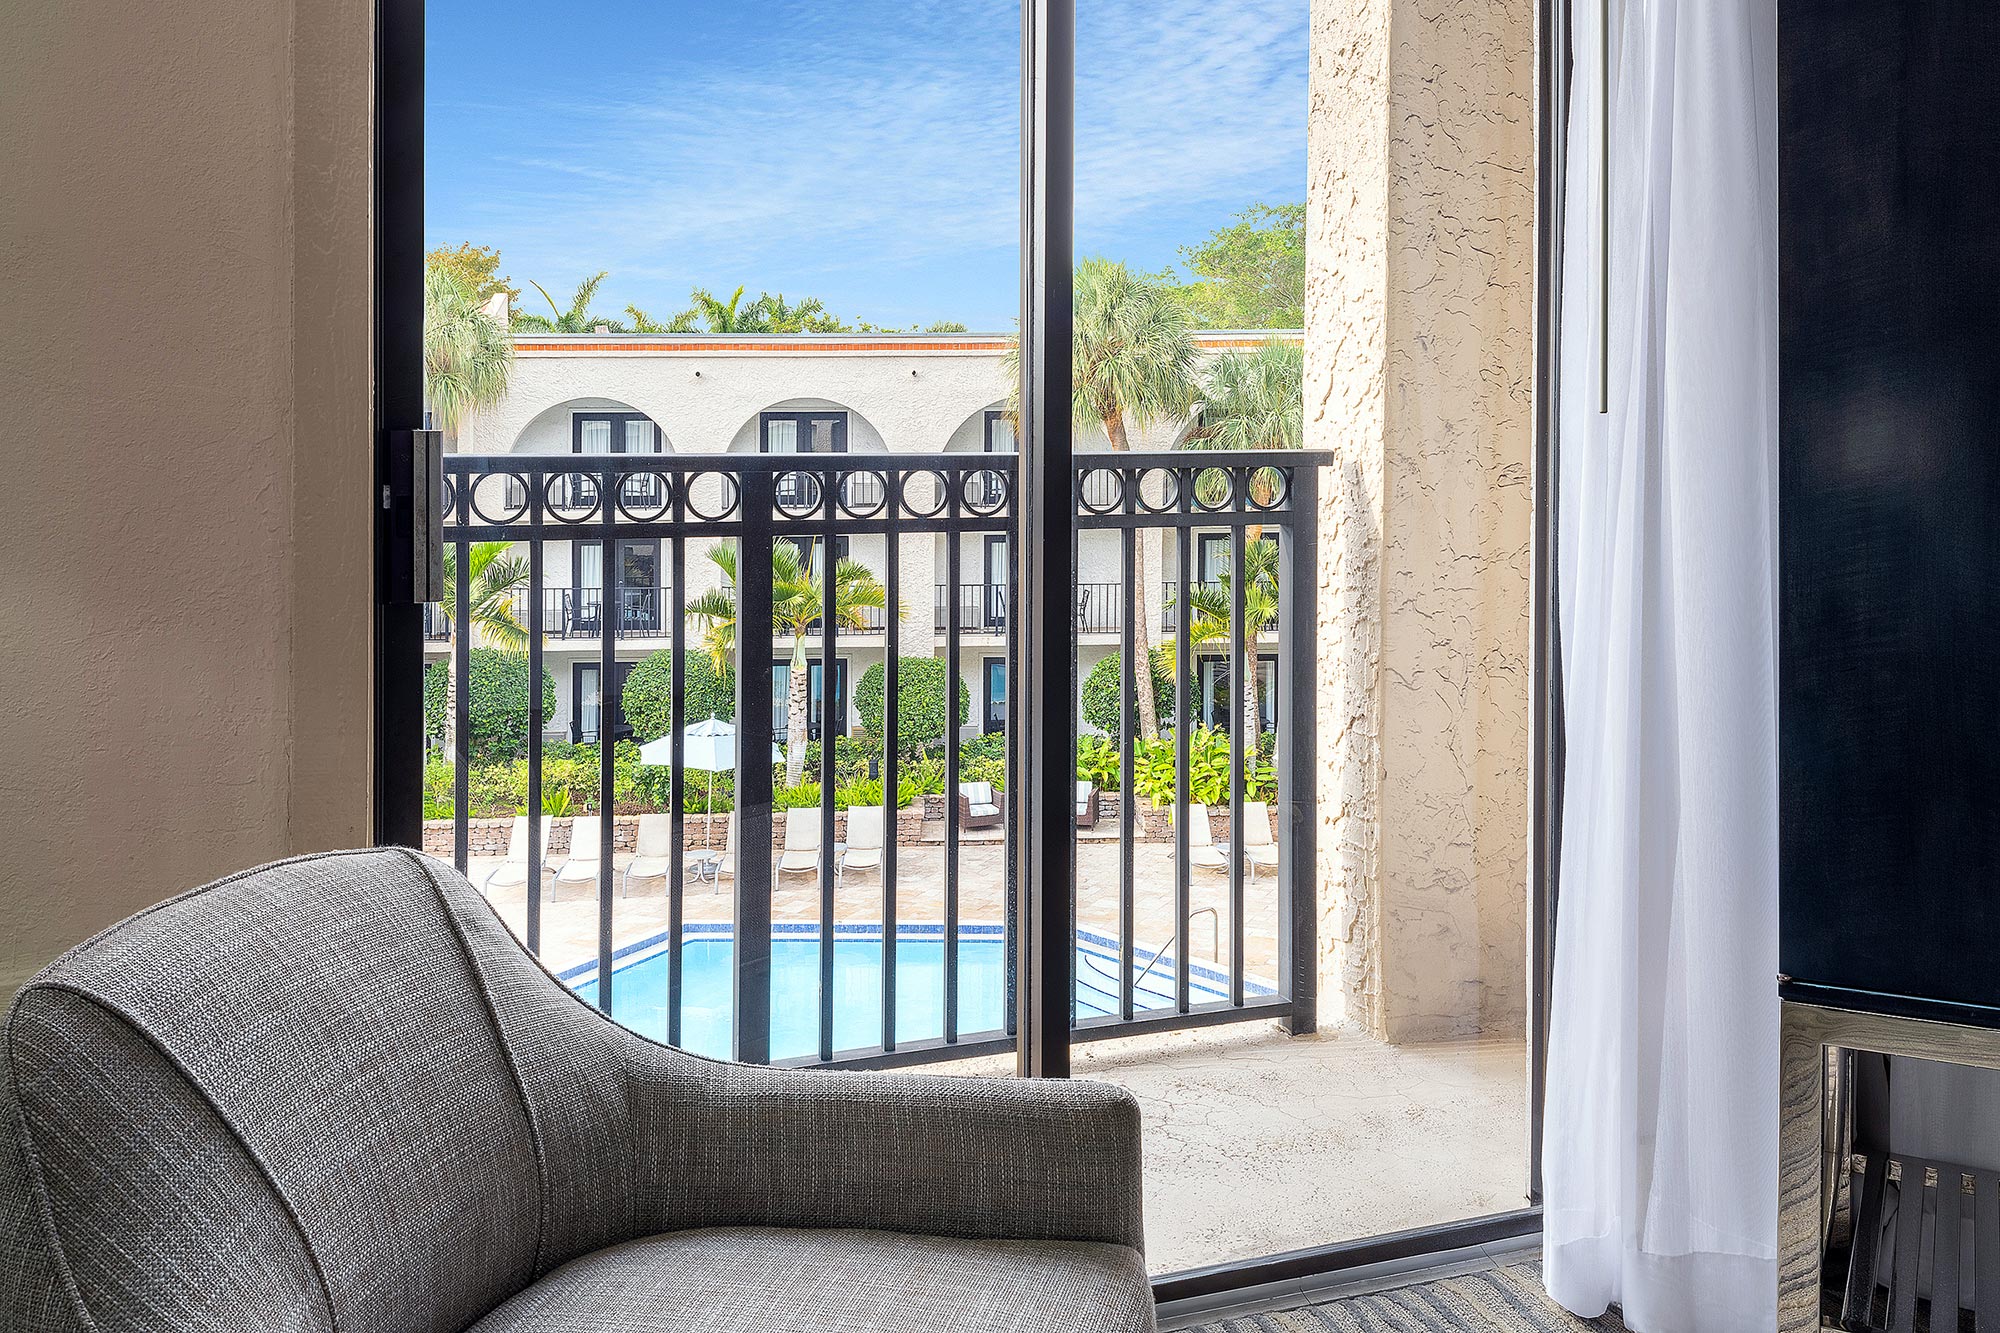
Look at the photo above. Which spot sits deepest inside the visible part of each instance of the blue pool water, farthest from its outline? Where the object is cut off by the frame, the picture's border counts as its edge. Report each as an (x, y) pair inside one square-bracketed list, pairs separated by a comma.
[(639, 991)]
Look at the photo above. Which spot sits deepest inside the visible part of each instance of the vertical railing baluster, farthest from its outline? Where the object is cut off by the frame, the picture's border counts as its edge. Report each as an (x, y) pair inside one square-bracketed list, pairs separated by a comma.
[(830, 728), (891, 685), (461, 672), (1183, 662), (1128, 725), (536, 851), (1298, 739), (1239, 480), (954, 484), (752, 963), (607, 658), (677, 771)]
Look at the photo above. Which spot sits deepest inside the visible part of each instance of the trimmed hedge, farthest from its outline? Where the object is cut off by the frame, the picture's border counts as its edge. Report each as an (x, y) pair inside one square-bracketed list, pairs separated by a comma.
[(1100, 690), (919, 703), (649, 693), (496, 702)]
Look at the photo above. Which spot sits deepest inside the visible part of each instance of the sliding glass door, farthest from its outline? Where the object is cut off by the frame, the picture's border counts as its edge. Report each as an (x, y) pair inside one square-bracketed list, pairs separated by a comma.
[(1171, 733)]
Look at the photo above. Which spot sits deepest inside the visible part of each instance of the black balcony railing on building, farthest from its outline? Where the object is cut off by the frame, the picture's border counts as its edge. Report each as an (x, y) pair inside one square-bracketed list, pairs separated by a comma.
[(1123, 985), (982, 608)]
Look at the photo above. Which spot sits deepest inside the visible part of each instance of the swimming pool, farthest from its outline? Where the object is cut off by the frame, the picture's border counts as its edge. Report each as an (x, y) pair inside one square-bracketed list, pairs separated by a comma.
[(639, 993)]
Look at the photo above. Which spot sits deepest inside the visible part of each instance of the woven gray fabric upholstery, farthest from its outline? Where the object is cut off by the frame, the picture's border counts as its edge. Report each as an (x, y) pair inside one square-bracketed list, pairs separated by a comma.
[(769, 1280), (335, 1094)]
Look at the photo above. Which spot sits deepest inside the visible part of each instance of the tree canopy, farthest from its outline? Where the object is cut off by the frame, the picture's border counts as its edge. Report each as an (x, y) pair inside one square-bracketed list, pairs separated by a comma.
[(476, 268), (1250, 274)]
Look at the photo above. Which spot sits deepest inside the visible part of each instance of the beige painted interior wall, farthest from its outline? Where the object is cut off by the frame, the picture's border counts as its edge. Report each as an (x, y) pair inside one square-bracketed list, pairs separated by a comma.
[(1419, 371), (184, 248)]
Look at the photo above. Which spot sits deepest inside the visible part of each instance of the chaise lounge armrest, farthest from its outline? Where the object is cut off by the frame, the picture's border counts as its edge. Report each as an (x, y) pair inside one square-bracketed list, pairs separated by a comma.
[(977, 1158)]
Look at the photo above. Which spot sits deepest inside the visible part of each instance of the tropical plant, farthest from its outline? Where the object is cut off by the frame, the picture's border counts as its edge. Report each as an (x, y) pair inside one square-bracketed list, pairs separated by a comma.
[(1153, 764), (576, 318), (496, 578), (1209, 617), (648, 698), (556, 802), (797, 598), (920, 716), (1254, 400), (644, 323), (1098, 762), (719, 316), (1133, 363), (468, 357)]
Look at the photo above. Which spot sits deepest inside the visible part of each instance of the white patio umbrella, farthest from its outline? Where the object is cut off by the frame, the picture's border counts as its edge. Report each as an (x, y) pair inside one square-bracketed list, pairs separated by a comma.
[(710, 745)]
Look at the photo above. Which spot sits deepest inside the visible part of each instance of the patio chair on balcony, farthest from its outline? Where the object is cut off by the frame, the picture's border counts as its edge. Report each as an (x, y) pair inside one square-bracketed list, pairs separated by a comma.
[(512, 872), (802, 843), (339, 1094), (979, 806), (864, 841), (1086, 805), (585, 850)]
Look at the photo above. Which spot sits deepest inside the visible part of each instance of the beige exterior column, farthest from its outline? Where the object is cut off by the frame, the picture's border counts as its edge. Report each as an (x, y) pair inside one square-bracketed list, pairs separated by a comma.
[(1418, 376)]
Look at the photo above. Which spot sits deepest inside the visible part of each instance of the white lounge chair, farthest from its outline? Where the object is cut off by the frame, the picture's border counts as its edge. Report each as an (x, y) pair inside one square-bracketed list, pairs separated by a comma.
[(580, 867), (802, 843), (513, 870), (1259, 847), (712, 865), (1203, 854), (652, 851), (864, 841)]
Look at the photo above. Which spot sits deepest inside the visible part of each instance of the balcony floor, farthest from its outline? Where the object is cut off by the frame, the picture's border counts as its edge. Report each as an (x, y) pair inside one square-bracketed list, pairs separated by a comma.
[(1256, 1141)]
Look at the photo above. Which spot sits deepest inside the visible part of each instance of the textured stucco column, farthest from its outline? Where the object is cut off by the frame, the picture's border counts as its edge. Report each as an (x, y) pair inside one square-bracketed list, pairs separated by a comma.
[(1418, 376)]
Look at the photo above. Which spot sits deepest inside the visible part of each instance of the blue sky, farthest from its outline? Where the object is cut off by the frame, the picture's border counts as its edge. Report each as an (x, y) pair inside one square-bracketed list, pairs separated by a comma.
[(862, 151)]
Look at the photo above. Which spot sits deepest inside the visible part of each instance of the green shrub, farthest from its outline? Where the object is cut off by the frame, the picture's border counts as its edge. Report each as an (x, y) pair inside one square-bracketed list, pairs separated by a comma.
[(649, 693), (920, 717), (981, 768), (496, 702), (991, 745), (1101, 690), (852, 756)]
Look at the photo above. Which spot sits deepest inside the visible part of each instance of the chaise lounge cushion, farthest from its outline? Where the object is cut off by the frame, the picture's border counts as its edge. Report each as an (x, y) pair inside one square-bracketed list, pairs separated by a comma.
[(768, 1279)]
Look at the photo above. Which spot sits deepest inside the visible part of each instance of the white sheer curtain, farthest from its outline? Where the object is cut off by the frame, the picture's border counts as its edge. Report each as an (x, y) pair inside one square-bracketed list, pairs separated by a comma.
[(1661, 1129)]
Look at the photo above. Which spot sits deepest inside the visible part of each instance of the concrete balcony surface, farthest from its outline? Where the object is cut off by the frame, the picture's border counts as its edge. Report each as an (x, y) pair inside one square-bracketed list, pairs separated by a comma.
[(1255, 1141)]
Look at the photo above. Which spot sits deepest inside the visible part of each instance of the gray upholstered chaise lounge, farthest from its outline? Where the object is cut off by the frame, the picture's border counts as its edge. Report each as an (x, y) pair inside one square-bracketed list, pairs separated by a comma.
[(334, 1096)]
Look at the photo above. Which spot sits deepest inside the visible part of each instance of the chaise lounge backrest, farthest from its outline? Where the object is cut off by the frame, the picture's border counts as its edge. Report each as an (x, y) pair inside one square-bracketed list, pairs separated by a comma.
[(171, 1088)]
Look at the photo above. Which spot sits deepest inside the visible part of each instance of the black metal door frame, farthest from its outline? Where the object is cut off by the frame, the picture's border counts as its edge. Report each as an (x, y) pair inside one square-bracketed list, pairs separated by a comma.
[(1040, 833)]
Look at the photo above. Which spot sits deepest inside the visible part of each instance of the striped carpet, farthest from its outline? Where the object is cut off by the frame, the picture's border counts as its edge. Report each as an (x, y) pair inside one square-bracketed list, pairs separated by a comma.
[(1499, 1300)]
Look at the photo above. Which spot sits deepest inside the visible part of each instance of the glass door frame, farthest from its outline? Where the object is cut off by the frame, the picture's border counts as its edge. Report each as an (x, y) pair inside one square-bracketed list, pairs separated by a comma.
[(1040, 828)]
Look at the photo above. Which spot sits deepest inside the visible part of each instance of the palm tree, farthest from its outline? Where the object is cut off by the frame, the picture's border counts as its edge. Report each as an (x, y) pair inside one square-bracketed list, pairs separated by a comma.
[(577, 318), (730, 316), (496, 577), (1208, 621), (798, 595), (1255, 400), (468, 356), (1134, 364)]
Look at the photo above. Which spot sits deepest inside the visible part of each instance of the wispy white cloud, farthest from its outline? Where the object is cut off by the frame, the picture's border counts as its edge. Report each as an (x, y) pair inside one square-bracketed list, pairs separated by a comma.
[(865, 147)]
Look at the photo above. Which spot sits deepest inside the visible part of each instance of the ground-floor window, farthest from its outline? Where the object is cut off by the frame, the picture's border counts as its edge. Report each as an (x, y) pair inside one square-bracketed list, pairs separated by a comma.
[(781, 686), (995, 694), (1220, 704), (588, 718)]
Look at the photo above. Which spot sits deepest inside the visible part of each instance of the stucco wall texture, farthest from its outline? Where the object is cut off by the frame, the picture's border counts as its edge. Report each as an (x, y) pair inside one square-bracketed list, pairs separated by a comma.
[(187, 650), (1419, 368)]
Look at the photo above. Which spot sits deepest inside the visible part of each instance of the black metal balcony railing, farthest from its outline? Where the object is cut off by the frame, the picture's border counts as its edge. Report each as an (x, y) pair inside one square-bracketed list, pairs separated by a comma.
[(675, 501), (982, 608)]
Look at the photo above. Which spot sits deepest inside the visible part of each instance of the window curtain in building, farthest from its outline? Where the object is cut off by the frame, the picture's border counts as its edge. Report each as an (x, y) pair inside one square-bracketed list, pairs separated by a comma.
[(1660, 1136)]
